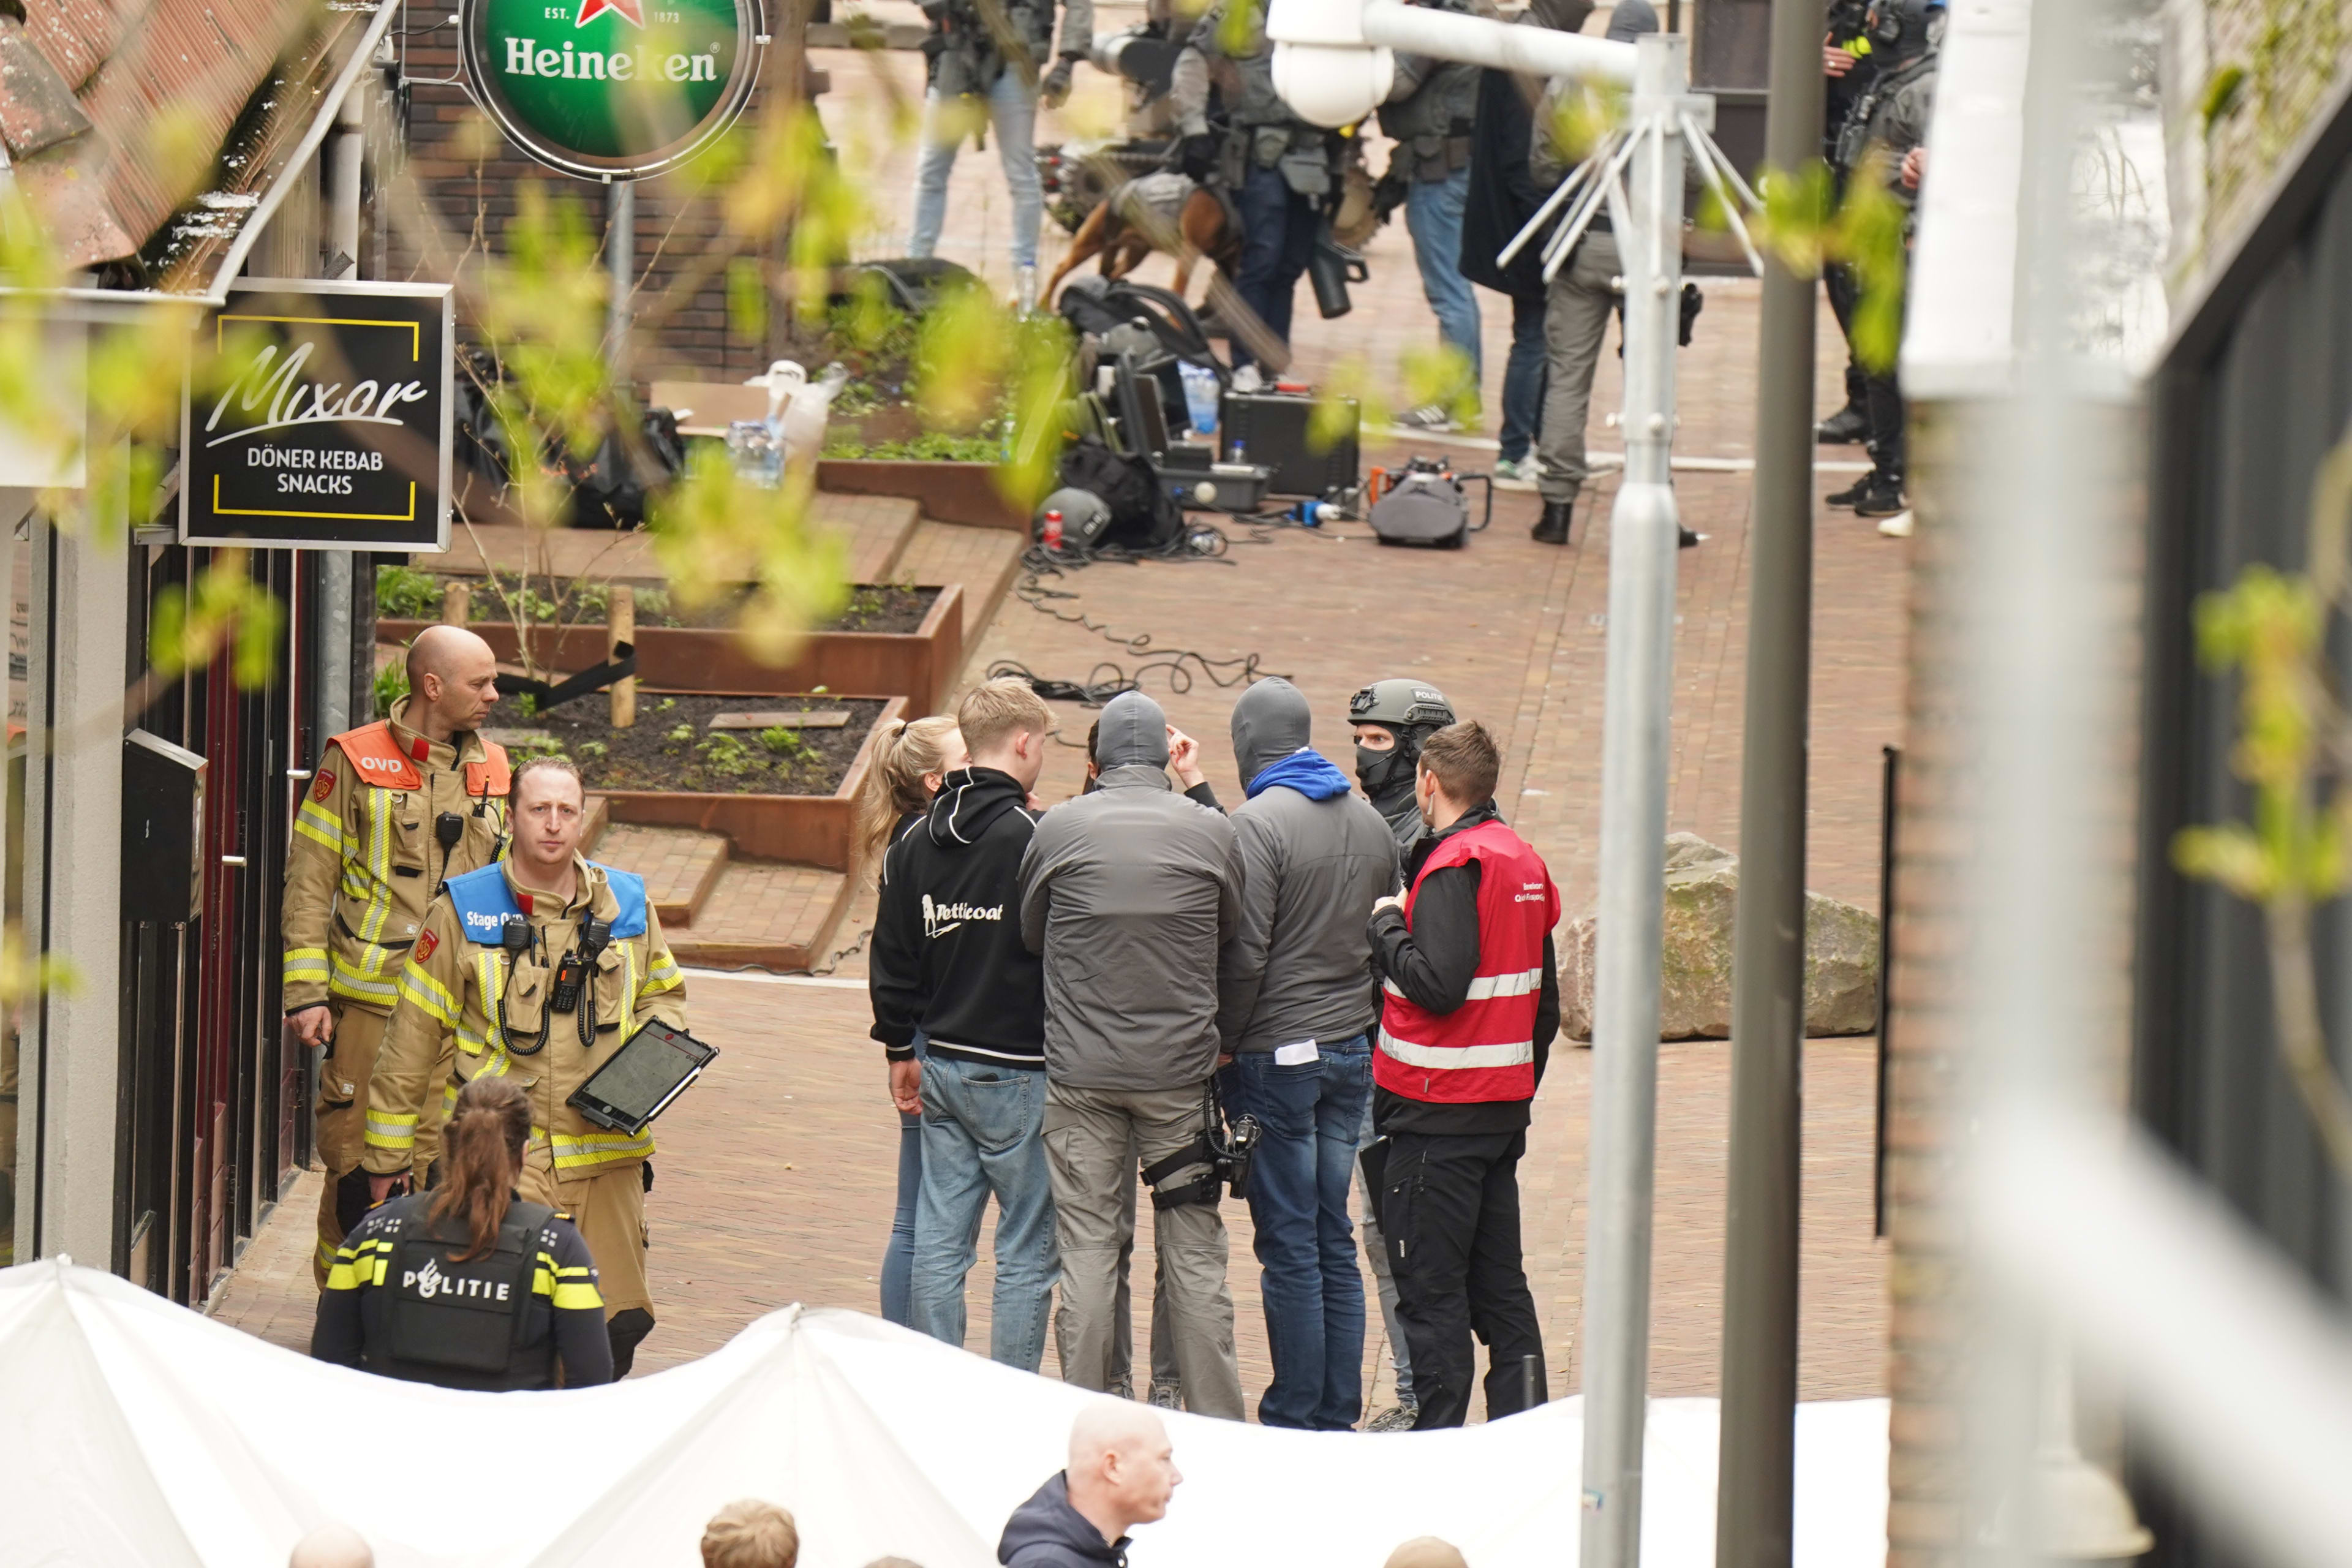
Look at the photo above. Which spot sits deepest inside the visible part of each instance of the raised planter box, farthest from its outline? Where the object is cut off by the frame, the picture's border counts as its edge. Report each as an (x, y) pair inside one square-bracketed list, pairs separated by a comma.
[(948, 492), (812, 830), (919, 666)]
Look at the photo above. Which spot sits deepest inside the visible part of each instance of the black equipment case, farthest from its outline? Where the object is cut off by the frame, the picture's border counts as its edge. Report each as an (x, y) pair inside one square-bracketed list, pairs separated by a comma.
[(1269, 429)]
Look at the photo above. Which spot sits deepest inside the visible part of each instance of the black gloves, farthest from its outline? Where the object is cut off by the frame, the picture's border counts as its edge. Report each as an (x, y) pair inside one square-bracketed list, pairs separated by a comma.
[(1196, 156)]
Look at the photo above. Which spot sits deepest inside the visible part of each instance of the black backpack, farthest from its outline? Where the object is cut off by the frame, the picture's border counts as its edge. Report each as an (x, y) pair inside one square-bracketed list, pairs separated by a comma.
[(1143, 516)]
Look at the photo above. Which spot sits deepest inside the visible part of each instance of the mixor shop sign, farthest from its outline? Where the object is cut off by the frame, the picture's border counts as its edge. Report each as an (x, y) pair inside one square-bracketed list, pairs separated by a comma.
[(612, 89), (326, 422)]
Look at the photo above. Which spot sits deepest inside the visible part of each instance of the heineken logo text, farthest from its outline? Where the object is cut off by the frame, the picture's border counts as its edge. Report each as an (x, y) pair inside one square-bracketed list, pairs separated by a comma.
[(526, 58)]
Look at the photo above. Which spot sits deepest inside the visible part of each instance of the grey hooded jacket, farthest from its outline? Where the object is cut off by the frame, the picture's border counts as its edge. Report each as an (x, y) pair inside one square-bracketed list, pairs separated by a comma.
[(1129, 893), (1298, 967)]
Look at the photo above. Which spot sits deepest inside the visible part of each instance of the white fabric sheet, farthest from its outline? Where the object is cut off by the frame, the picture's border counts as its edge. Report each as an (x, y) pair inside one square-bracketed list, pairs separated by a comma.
[(132, 1431)]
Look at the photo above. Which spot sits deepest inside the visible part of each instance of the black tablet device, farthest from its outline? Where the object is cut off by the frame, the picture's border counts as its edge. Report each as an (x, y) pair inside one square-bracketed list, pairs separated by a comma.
[(652, 1068)]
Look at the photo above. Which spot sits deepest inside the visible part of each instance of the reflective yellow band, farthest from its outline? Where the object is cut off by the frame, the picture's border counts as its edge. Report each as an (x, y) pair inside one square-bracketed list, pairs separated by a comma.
[(390, 1129), (581, 1298), (305, 964), (420, 987), (316, 823), (573, 1153)]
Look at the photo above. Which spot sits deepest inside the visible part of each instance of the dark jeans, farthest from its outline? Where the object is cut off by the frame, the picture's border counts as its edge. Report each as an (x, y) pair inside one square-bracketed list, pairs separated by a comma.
[(898, 1257), (1883, 400), (1523, 378), (1450, 1209), (1277, 240), (1298, 1183)]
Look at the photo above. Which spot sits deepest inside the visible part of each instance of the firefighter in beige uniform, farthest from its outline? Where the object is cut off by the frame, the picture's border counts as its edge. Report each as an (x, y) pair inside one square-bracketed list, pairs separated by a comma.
[(540, 967), (395, 809)]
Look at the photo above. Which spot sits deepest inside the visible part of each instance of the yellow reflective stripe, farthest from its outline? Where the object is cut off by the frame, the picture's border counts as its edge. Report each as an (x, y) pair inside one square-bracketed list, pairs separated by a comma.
[(570, 1297), (328, 1254), (390, 1129), (664, 975), (472, 1042), (350, 980), (305, 964), (597, 1148), (418, 985), (319, 826), (489, 983)]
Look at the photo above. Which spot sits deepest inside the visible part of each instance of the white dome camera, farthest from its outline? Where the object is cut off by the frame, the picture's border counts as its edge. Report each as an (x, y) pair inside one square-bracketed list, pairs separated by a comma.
[(1322, 67)]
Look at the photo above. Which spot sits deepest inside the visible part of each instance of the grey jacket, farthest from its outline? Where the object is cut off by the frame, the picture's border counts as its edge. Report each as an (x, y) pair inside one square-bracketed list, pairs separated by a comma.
[(1129, 893), (1297, 966)]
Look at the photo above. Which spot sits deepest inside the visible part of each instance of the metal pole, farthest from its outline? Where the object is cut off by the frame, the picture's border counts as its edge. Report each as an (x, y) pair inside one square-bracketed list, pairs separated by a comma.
[(1756, 1468), (1643, 539), (620, 263)]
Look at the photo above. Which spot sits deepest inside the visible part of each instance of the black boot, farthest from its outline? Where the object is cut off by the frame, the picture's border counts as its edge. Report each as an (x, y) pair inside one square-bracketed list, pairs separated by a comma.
[(1881, 495), (1843, 429), (1688, 539), (1552, 529), (1853, 492)]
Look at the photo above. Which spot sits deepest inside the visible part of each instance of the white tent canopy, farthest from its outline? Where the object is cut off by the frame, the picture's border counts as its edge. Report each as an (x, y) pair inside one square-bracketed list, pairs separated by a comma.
[(135, 1431)]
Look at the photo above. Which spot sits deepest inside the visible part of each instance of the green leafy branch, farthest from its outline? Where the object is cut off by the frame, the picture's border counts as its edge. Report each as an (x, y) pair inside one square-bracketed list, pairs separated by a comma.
[(2294, 750), (1805, 225)]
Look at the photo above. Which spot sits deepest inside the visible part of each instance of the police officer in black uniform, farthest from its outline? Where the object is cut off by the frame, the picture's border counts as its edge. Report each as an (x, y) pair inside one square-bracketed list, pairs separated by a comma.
[(467, 1286), (1390, 720)]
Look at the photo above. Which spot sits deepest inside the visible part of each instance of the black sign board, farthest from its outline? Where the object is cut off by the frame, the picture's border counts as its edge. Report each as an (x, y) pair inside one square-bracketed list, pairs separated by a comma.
[(328, 426)]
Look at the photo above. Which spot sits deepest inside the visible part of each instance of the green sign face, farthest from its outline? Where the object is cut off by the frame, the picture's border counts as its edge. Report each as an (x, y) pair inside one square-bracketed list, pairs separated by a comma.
[(617, 88)]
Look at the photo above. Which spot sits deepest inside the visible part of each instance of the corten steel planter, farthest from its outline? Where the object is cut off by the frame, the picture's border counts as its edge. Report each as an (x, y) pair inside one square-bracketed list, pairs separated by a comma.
[(948, 492), (919, 666), (807, 829)]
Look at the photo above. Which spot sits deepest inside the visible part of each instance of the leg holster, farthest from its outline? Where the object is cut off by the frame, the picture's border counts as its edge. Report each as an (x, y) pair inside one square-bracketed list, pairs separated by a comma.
[(1209, 1188)]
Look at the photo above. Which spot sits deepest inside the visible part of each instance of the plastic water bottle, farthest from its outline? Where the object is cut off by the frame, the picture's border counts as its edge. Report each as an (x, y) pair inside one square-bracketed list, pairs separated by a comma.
[(1199, 395), (1052, 536)]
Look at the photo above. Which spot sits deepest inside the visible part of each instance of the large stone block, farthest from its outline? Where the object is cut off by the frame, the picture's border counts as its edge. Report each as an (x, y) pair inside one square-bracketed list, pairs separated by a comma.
[(1694, 989)]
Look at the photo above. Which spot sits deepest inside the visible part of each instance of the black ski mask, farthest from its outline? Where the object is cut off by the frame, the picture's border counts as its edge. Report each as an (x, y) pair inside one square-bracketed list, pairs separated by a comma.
[(1382, 771)]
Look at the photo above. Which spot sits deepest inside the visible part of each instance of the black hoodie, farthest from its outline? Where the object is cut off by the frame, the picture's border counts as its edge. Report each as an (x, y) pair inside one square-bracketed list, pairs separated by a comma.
[(947, 956), (1048, 1532)]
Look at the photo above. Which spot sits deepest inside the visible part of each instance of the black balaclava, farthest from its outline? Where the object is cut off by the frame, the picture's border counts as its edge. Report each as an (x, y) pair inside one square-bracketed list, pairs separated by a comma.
[(1387, 776), (1631, 19)]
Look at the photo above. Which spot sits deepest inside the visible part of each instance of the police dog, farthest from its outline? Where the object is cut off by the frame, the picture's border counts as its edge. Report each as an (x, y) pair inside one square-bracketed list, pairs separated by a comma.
[(1133, 221)]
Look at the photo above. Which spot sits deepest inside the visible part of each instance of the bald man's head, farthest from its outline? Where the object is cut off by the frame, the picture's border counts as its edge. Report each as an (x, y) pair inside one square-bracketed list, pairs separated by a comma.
[(1122, 1468), (453, 679), (332, 1546)]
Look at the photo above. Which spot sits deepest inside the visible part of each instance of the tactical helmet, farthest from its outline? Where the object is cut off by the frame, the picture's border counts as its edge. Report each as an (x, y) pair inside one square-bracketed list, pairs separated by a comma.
[(1400, 704), (1900, 26)]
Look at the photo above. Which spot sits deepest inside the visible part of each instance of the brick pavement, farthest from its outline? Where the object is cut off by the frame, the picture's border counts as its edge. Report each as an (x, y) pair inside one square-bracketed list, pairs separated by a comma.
[(776, 1179)]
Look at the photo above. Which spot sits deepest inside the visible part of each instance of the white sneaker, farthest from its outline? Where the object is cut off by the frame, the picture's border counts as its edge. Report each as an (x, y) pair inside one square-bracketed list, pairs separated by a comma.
[(1896, 527), (1433, 417), (1517, 475), (1248, 379)]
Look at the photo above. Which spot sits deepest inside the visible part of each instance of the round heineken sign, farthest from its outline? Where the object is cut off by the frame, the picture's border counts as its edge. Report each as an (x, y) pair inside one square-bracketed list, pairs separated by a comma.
[(613, 88)]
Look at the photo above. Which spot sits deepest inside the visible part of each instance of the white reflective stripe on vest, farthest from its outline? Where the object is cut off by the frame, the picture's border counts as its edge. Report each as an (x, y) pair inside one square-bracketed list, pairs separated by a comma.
[(1458, 1057), (1486, 987)]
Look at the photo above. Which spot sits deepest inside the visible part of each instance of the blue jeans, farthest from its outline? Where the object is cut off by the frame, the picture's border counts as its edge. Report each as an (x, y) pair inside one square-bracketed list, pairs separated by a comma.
[(1298, 1186), (1013, 113), (983, 1132), (1523, 378), (1433, 215), (1277, 241), (898, 1258)]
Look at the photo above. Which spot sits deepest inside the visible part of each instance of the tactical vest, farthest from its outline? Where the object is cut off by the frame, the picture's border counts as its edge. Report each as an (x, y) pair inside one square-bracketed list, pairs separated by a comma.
[(1484, 1049), (378, 761), (1861, 121), (1445, 104), (477, 1323)]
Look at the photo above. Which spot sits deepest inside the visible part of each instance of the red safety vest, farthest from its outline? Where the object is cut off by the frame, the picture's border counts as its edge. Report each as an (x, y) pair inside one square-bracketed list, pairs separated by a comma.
[(1484, 1049), (376, 758)]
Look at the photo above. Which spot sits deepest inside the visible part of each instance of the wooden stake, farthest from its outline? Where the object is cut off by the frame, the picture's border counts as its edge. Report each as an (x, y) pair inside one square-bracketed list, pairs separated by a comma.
[(620, 627), (457, 603)]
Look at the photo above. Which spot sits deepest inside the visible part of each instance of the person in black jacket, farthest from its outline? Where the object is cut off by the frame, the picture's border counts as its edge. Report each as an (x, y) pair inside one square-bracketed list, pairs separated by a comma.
[(1472, 1006), (1122, 1473), (1504, 194), (948, 962), (466, 1286)]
